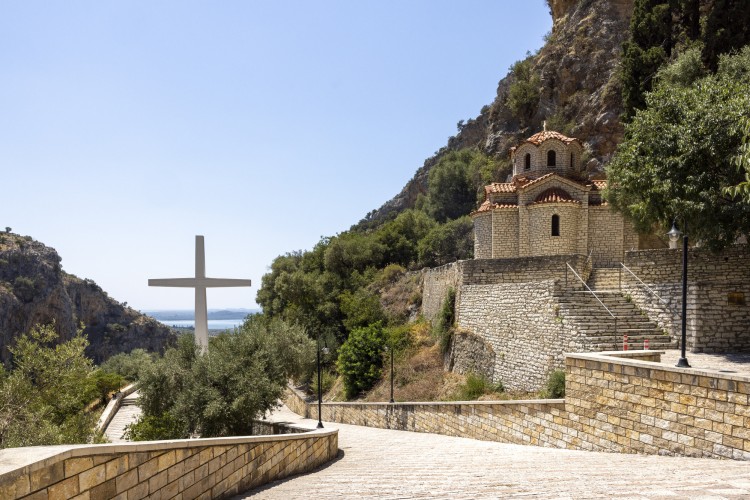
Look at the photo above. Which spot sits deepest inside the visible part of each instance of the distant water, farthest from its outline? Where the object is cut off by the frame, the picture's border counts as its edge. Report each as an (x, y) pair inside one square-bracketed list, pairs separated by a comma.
[(213, 324)]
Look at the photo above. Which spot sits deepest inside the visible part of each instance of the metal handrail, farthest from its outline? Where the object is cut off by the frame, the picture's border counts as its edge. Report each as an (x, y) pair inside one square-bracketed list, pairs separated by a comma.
[(590, 291), (644, 284)]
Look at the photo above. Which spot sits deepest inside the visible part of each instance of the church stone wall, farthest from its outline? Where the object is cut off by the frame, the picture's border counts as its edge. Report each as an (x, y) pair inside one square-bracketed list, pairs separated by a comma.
[(504, 234), (541, 241), (718, 305), (483, 236), (607, 236)]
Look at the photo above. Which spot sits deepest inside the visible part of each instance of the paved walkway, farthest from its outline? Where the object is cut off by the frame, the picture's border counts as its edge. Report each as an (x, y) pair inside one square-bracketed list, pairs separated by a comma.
[(126, 415), (719, 363), (379, 463)]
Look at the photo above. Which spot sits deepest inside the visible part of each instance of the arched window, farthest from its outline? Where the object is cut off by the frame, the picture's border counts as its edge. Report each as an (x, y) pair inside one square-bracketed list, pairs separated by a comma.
[(527, 161), (551, 158), (555, 225), (572, 161)]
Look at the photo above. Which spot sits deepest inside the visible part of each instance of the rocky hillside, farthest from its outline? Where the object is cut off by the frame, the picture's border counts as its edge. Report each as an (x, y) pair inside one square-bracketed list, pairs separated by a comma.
[(571, 83), (34, 290)]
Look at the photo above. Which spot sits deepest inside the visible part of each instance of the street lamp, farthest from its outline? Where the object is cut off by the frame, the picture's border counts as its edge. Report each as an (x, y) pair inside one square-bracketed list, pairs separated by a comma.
[(391, 350), (320, 385), (674, 235)]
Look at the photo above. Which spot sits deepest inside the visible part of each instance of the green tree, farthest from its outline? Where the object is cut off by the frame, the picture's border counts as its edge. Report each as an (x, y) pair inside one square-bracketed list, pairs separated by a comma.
[(447, 243), (360, 359), (727, 30), (44, 396), (222, 392), (646, 50), (524, 91), (677, 158), (129, 365), (453, 183)]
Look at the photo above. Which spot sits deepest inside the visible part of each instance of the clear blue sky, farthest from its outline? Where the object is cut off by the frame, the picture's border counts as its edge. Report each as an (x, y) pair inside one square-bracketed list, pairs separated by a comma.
[(126, 128)]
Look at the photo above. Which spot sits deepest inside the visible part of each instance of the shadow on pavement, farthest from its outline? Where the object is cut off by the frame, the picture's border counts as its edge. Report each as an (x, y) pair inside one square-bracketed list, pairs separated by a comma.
[(266, 487)]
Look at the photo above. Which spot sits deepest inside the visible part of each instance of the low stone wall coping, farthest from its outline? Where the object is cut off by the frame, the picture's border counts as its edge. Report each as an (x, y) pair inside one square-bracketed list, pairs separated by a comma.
[(447, 403), (605, 357), (32, 458)]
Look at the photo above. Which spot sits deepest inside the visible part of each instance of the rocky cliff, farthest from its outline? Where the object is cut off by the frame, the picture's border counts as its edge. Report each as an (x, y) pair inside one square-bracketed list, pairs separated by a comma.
[(35, 290), (573, 85)]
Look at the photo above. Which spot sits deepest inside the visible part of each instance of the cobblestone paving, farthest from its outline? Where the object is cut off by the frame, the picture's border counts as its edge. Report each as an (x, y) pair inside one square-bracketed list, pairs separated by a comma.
[(379, 463)]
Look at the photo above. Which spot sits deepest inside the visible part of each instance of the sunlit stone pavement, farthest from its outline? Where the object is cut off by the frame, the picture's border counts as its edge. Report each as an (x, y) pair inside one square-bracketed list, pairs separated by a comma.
[(379, 463)]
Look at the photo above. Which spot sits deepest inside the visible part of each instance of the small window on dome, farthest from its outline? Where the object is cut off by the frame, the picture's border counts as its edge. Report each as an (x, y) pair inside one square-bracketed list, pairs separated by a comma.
[(527, 161), (572, 161), (551, 158), (555, 225)]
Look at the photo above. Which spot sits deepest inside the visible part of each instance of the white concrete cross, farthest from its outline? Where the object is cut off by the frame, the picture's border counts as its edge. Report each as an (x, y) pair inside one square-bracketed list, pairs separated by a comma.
[(200, 283)]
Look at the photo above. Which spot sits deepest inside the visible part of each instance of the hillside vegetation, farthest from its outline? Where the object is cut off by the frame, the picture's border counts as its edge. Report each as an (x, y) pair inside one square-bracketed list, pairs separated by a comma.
[(342, 291)]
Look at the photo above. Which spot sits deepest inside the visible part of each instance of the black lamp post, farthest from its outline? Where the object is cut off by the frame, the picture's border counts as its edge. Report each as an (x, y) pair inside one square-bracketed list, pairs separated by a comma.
[(674, 235), (386, 350), (320, 385)]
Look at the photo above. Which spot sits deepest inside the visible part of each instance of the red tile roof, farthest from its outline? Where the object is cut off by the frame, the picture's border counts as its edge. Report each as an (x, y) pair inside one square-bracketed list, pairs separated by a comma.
[(487, 207), (554, 195), (544, 135), (500, 187), (599, 184)]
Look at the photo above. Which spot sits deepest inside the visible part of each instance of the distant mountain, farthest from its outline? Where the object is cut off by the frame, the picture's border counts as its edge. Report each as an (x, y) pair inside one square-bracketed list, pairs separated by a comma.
[(35, 290), (188, 314)]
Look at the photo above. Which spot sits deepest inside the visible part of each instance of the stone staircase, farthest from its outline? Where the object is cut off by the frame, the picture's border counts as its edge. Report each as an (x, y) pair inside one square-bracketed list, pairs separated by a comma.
[(126, 415), (580, 309)]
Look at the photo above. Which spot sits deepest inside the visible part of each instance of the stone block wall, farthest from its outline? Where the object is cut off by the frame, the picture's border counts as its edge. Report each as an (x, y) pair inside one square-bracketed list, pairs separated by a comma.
[(609, 236), (542, 242), (483, 236), (633, 406), (520, 323), (436, 283), (184, 469), (718, 305), (504, 234), (616, 402)]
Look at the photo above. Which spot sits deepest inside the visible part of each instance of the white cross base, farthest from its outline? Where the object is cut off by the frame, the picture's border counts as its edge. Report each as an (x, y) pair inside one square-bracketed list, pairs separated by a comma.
[(200, 283)]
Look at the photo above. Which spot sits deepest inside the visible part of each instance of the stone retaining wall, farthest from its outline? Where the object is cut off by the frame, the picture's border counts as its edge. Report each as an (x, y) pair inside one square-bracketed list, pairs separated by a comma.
[(519, 321), (718, 304), (184, 469), (614, 402)]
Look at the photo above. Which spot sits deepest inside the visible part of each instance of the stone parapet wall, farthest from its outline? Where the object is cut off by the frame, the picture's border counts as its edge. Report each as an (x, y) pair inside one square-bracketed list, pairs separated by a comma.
[(184, 469), (718, 304), (617, 402), (438, 280), (633, 406), (518, 422)]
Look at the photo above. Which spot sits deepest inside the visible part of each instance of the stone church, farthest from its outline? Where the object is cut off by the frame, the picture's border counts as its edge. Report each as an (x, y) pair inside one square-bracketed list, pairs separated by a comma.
[(549, 207)]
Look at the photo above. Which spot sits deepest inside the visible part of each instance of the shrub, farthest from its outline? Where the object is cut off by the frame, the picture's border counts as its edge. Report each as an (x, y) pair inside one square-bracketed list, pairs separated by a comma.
[(476, 386), (360, 359), (129, 365), (444, 325), (555, 387), (523, 93), (24, 288)]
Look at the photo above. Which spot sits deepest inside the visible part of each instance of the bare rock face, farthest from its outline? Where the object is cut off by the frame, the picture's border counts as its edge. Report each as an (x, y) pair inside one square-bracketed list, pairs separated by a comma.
[(35, 290), (578, 87)]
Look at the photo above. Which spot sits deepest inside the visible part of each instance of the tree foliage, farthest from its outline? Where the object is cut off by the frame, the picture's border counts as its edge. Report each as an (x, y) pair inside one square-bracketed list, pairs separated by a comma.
[(360, 359), (524, 91), (448, 243), (222, 392), (727, 30), (647, 49), (677, 158), (44, 395)]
